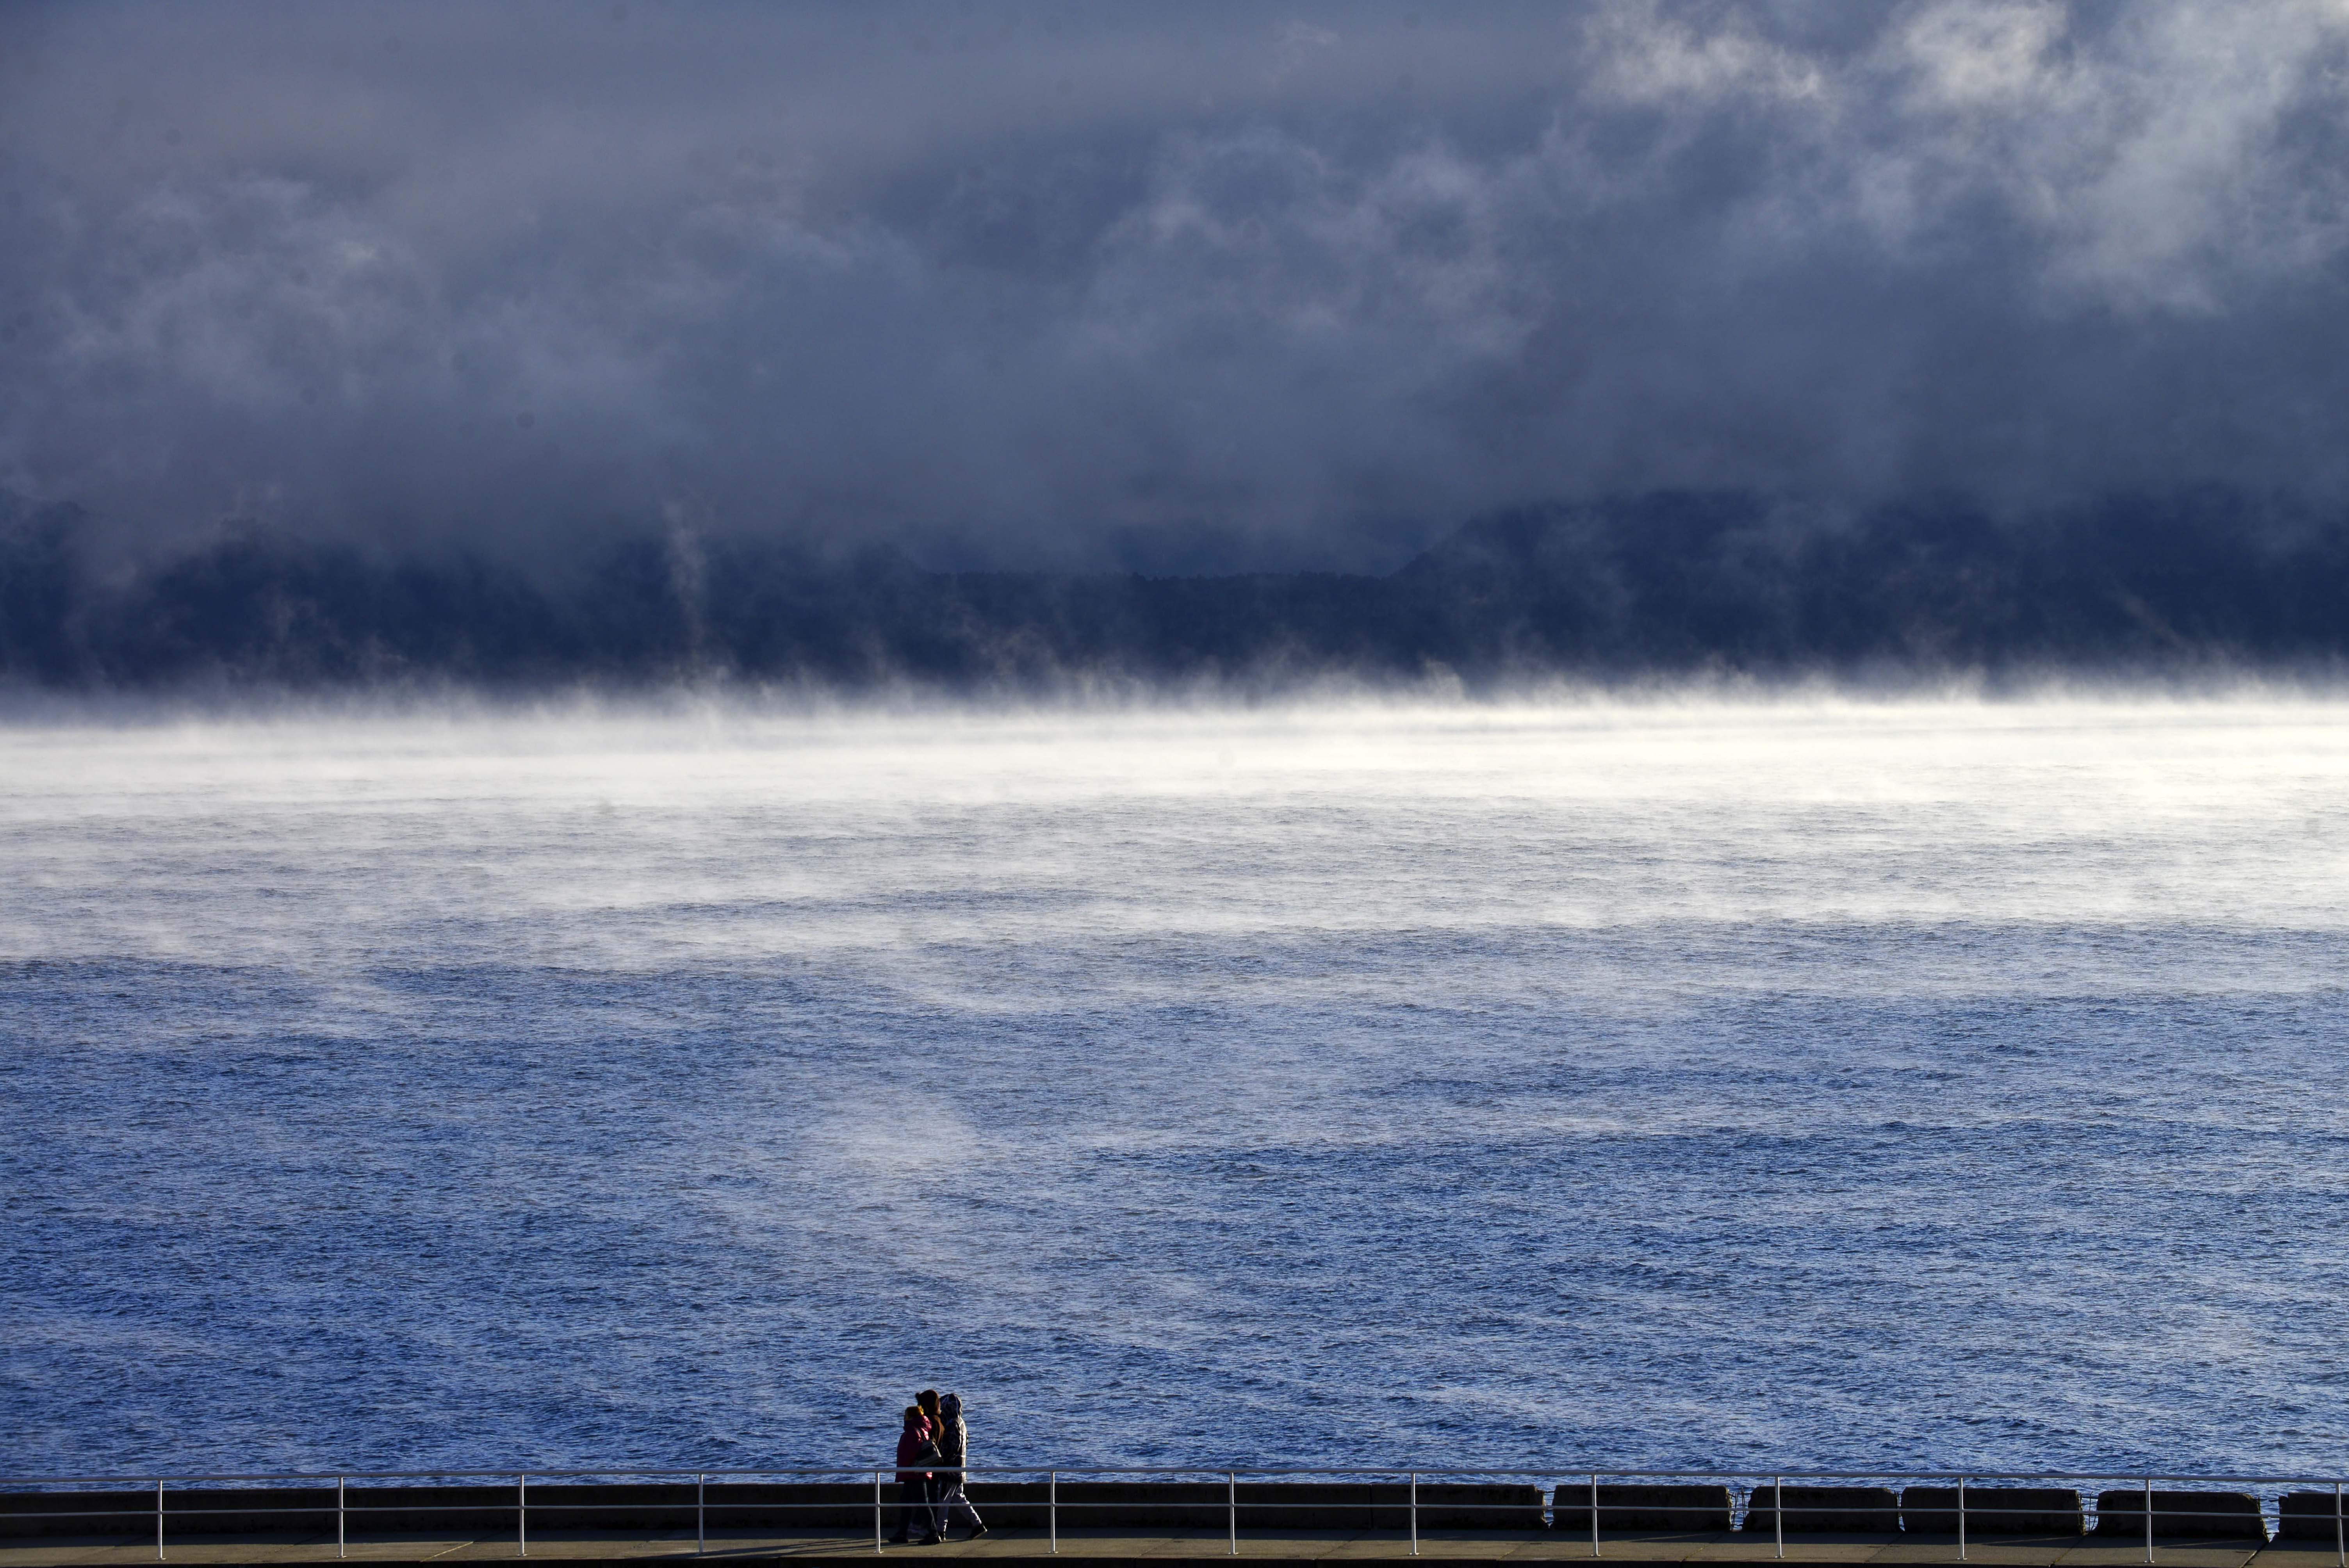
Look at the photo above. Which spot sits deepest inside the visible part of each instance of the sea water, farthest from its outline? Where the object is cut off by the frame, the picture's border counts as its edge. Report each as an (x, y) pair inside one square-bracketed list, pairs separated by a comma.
[(1672, 1084)]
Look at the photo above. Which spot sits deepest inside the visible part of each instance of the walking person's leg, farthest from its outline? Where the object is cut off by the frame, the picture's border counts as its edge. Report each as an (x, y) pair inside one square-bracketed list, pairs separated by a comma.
[(936, 1515)]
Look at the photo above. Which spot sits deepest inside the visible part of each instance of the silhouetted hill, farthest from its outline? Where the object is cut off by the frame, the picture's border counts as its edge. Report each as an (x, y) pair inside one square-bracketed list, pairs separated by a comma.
[(1672, 581), (1659, 583)]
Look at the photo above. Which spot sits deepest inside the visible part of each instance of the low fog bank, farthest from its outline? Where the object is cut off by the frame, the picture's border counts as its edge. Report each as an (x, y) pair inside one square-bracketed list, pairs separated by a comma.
[(1673, 584)]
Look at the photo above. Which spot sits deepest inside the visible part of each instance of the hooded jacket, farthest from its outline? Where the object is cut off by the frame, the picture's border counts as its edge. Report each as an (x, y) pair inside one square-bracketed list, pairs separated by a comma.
[(954, 1442), (915, 1444)]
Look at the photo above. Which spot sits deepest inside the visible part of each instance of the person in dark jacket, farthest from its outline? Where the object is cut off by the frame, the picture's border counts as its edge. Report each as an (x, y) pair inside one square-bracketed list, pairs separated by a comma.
[(928, 1401), (916, 1445), (954, 1457)]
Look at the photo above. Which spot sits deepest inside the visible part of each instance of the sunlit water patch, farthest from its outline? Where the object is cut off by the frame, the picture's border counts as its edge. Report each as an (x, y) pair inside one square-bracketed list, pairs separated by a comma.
[(1669, 1085)]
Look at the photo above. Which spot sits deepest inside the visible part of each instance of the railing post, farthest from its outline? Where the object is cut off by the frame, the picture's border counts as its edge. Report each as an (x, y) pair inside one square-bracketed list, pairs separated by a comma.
[(876, 1514), (158, 1521), (1778, 1513), (1594, 1514), (1961, 1519), (2340, 1545), (701, 1514), (1052, 1509), (1414, 1514), (1232, 1497), (521, 1515), (338, 1516), (2148, 1518)]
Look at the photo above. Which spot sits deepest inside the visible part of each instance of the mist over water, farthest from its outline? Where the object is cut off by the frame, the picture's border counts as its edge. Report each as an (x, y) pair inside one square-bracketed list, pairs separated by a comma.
[(1672, 1083), (1775, 1083)]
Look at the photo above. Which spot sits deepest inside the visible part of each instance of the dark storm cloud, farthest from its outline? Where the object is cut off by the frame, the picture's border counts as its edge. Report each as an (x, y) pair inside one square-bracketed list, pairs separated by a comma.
[(1179, 284)]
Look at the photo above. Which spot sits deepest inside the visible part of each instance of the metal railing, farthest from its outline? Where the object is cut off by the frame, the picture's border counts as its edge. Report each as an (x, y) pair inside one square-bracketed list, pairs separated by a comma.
[(1585, 1497)]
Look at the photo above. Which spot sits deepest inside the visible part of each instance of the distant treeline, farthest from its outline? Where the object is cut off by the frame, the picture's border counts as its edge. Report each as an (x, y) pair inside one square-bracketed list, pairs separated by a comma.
[(1665, 583)]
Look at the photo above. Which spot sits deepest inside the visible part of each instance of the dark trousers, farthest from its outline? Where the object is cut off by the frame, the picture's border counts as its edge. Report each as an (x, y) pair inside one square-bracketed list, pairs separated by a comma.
[(917, 1512)]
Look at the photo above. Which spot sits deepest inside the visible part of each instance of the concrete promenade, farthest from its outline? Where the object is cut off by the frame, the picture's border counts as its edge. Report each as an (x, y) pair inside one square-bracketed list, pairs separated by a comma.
[(1454, 1549)]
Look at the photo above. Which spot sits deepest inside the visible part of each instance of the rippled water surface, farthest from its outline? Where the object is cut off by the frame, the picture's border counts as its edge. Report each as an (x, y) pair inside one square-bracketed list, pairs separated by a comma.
[(1943, 1084)]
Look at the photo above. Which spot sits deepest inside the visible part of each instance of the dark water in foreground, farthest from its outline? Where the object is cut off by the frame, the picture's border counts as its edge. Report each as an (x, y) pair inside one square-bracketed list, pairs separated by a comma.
[(1932, 1085)]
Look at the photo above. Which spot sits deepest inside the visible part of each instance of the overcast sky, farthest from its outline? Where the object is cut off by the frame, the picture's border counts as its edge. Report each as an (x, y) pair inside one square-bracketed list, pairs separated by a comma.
[(1177, 286)]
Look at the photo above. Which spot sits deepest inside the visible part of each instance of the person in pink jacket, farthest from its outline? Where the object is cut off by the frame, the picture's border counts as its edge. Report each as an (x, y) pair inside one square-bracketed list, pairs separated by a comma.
[(916, 1445)]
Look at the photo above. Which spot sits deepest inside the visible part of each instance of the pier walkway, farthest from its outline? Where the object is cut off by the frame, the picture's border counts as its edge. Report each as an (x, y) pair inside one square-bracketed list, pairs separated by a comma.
[(1461, 1549)]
